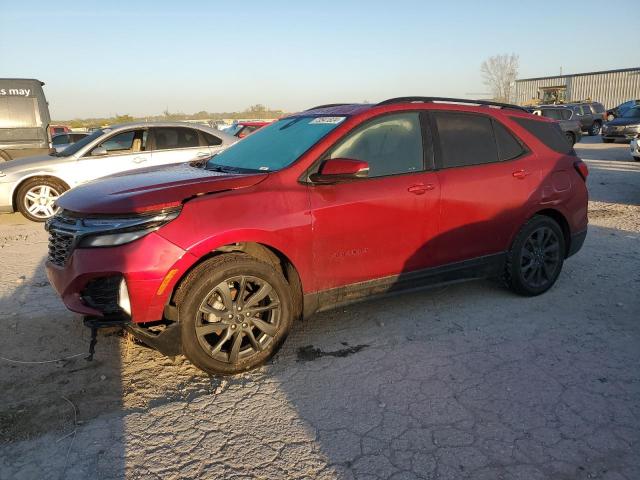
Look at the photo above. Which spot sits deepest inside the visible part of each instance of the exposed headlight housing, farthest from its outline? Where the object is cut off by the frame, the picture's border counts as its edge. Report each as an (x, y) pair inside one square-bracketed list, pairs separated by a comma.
[(111, 232)]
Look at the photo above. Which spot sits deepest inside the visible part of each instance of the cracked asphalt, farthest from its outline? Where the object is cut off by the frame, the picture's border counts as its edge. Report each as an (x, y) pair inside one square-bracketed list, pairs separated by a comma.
[(465, 381)]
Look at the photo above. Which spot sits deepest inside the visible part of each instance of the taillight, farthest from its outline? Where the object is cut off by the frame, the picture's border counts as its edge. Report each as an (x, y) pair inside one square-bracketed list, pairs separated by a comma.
[(582, 169)]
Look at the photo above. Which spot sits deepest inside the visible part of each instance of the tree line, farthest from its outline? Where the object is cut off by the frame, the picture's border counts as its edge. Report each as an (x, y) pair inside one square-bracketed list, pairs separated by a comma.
[(257, 111)]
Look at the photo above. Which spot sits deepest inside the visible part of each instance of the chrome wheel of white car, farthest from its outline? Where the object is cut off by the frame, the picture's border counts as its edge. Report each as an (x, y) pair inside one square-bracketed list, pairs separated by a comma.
[(39, 201), (36, 199)]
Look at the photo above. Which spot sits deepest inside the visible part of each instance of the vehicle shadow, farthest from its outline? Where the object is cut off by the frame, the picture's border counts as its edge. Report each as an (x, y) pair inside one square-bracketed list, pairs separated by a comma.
[(48, 391)]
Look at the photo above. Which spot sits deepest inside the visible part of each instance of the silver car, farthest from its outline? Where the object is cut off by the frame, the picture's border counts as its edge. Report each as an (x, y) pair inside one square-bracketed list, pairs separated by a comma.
[(32, 185)]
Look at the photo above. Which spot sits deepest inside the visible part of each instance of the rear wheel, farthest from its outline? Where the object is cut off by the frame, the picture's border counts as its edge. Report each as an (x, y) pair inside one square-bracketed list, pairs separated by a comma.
[(570, 138), (235, 314), (535, 259), (595, 129), (36, 198)]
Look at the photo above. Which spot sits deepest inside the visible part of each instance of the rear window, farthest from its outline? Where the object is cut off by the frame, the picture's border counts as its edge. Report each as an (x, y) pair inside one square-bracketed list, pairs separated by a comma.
[(211, 140), (548, 133), (508, 146), (565, 113), (598, 108)]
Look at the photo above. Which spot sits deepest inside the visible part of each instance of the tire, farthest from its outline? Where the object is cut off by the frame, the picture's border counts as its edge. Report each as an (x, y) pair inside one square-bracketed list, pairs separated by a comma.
[(571, 138), (220, 345), (539, 246), (608, 140), (637, 159), (36, 197), (595, 129)]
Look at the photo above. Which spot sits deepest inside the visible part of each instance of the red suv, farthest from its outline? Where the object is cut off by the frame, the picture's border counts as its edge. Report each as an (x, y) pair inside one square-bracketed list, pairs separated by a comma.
[(319, 209)]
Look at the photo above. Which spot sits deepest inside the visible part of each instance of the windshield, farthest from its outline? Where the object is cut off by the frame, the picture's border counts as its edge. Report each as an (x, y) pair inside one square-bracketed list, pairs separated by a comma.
[(632, 113), (275, 146), (72, 149)]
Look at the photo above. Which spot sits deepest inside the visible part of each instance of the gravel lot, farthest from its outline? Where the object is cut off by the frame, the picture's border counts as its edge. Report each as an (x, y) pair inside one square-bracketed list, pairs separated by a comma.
[(466, 381)]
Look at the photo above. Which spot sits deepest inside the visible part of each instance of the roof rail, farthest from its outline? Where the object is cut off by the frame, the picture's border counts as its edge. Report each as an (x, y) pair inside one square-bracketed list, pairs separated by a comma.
[(449, 100), (328, 105)]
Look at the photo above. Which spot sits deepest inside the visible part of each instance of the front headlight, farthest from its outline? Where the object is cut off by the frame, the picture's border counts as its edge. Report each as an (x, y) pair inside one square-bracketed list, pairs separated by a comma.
[(110, 232)]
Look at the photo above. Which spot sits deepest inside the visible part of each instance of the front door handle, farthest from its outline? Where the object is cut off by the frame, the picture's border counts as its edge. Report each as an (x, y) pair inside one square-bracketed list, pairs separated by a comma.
[(521, 174), (139, 159), (420, 188)]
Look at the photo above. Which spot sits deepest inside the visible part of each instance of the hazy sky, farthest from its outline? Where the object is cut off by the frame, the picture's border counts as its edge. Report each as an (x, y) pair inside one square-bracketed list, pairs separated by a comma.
[(140, 57)]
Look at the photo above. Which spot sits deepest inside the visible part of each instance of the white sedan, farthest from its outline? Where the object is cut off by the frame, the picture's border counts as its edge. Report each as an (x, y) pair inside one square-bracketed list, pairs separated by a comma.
[(32, 185)]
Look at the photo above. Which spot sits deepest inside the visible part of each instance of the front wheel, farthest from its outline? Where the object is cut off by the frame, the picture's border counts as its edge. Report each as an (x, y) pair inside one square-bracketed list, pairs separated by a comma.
[(235, 313), (36, 198), (536, 256)]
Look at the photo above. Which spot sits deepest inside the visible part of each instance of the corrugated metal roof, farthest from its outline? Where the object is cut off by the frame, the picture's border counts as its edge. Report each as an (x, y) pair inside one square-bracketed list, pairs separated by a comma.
[(580, 74)]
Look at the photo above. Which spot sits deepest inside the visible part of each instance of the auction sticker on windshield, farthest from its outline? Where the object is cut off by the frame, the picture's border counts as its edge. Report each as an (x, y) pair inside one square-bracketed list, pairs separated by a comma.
[(327, 120)]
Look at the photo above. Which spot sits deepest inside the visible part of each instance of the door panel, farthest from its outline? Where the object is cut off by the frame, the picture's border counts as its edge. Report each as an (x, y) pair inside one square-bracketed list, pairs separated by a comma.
[(126, 151), (480, 205), (373, 228), (382, 225)]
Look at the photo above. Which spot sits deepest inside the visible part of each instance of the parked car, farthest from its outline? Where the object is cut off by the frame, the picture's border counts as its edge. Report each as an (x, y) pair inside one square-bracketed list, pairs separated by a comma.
[(625, 127), (319, 209), (32, 185), (58, 130), (63, 140), (242, 129), (571, 128), (620, 109), (635, 149), (591, 116), (24, 118)]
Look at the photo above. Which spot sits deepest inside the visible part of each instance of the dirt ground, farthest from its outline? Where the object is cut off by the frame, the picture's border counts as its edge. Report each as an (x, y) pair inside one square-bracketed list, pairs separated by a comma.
[(466, 381)]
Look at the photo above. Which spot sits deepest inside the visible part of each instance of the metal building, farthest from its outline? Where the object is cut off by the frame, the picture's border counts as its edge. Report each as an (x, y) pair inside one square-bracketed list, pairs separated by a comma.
[(609, 87)]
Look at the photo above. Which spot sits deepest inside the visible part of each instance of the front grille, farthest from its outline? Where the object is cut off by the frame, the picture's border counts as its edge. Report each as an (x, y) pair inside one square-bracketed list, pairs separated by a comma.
[(60, 246), (102, 294)]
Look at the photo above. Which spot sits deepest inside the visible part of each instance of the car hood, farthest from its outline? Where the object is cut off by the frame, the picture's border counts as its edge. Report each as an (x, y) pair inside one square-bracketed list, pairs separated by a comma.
[(32, 163), (621, 122), (151, 189)]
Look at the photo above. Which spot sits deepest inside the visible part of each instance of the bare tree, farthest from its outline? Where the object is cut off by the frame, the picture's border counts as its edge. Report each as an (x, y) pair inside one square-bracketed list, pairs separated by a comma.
[(499, 73)]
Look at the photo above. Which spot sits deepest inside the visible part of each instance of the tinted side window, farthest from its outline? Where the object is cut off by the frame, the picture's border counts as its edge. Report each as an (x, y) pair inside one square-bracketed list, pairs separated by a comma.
[(566, 114), (586, 110), (465, 139), (508, 146), (120, 142), (551, 113), (548, 133), (211, 140), (391, 144), (175, 137), (60, 140), (598, 108)]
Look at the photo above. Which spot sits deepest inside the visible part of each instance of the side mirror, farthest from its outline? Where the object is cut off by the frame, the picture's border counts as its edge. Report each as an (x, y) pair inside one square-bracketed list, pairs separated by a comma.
[(339, 170), (98, 151)]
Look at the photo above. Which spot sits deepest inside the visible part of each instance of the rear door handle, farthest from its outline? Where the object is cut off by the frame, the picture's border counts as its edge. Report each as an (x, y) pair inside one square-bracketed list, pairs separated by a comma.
[(521, 174), (139, 159), (420, 188)]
